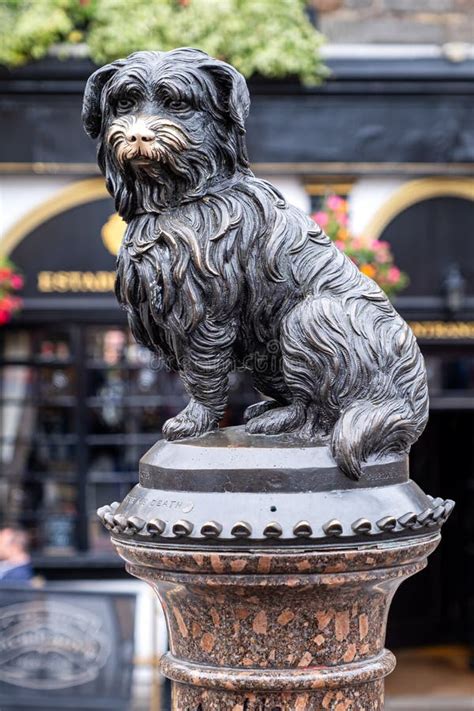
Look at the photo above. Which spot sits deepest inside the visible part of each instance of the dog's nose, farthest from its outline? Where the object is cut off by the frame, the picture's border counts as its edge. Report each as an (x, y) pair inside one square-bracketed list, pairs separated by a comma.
[(140, 134)]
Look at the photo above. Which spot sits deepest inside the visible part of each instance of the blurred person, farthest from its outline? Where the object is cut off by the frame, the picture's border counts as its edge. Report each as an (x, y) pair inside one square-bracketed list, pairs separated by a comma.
[(15, 561)]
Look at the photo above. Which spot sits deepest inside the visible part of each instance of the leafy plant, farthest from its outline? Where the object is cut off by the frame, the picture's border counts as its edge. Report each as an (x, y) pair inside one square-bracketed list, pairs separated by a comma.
[(273, 38), (28, 29), (372, 256)]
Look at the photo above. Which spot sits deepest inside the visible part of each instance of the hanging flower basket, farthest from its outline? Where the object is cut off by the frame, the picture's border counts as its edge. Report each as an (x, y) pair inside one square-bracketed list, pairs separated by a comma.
[(372, 256), (10, 283)]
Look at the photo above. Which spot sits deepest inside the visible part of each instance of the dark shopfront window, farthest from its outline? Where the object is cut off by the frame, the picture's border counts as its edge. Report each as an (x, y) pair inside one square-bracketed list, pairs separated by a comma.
[(79, 407)]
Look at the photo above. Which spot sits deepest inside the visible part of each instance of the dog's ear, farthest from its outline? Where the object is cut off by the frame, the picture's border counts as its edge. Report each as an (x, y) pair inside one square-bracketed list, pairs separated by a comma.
[(91, 108), (235, 94)]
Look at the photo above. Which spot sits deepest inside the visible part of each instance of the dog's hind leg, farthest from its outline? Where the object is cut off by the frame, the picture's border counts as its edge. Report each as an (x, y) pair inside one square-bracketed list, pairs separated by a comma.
[(204, 371), (278, 420), (315, 366), (270, 382), (259, 408)]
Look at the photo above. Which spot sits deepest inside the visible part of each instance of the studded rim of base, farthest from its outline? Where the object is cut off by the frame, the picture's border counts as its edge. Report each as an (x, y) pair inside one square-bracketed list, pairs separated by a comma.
[(155, 527), (438, 512), (362, 525), (120, 521), (387, 523), (434, 516), (136, 524), (242, 529), (448, 509), (211, 529), (182, 528), (424, 517), (303, 529), (408, 520), (333, 528), (273, 530)]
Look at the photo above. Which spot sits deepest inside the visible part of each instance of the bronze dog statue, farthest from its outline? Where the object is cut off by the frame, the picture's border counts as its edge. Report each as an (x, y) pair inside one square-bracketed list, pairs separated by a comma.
[(217, 270)]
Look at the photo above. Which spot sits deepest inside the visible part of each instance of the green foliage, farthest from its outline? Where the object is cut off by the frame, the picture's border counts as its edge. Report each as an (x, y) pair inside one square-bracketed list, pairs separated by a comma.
[(29, 28), (273, 38)]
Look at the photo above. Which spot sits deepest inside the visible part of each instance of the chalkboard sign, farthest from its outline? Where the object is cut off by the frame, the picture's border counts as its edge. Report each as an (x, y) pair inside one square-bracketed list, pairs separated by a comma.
[(66, 649)]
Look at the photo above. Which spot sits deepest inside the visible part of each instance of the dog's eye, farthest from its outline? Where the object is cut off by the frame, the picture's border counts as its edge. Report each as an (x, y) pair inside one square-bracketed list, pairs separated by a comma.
[(177, 105), (125, 104)]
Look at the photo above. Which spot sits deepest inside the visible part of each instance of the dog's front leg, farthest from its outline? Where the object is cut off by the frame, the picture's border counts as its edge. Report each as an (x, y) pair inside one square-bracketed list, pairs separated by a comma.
[(204, 370)]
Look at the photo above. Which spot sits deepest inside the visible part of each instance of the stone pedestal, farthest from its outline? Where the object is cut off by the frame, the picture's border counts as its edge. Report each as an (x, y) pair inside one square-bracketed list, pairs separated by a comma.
[(275, 571)]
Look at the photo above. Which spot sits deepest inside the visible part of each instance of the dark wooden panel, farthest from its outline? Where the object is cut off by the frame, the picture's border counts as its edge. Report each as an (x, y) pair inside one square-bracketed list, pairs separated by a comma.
[(375, 112), (352, 128)]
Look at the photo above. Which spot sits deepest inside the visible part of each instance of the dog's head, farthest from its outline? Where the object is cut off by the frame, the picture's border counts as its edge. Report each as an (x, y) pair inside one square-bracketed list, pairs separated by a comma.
[(170, 124)]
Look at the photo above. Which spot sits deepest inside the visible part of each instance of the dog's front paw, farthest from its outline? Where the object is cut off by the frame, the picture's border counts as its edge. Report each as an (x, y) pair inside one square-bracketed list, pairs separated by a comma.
[(258, 408), (194, 420)]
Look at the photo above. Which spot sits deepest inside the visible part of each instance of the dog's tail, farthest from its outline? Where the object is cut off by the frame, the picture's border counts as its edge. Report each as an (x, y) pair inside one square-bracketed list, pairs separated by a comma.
[(366, 428)]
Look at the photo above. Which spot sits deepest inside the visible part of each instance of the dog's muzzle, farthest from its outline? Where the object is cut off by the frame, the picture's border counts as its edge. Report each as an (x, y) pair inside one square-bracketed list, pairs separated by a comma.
[(148, 138)]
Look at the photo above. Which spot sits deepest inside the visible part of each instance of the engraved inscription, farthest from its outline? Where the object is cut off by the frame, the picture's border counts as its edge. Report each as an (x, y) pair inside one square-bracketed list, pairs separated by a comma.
[(173, 504)]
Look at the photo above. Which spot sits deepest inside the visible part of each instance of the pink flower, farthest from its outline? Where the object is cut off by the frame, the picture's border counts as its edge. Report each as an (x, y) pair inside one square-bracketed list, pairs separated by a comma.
[(335, 203), (321, 218), (394, 275), (339, 244), (382, 254), (4, 316), (16, 281)]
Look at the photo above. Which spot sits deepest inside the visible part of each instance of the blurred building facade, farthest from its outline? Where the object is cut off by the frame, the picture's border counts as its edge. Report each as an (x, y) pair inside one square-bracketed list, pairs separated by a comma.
[(80, 402), (412, 22)]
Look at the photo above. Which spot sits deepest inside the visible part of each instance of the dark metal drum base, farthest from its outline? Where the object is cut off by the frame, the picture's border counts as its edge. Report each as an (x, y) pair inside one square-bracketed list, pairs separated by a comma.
[(275, 571), (237, 490)]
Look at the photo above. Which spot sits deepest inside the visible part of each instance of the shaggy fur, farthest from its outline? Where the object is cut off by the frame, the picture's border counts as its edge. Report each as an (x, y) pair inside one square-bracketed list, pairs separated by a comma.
[(216, 270)]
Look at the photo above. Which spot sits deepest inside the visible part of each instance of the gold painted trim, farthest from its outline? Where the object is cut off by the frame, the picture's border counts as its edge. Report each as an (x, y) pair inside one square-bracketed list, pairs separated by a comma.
[(415, 191), (328, 167), (40, 168), (76, 194), (324, 187)]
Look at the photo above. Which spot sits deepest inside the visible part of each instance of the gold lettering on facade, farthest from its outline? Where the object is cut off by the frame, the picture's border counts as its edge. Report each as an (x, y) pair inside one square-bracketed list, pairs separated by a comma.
[(76, 282), (44, 281), (443, 329)]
